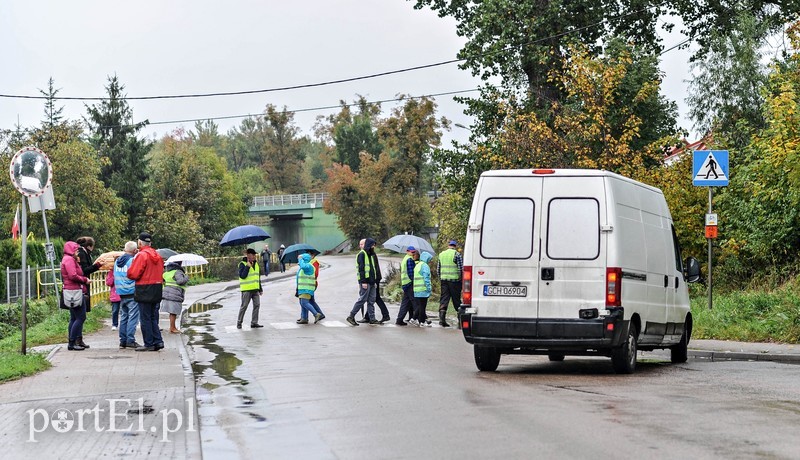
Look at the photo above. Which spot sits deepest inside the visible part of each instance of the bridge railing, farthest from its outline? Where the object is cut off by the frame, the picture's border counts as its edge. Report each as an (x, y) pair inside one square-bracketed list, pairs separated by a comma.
[(290, 200)]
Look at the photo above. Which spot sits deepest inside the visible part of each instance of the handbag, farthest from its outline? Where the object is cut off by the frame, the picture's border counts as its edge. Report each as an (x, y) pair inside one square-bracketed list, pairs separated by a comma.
[(72, 298), (87, 300)]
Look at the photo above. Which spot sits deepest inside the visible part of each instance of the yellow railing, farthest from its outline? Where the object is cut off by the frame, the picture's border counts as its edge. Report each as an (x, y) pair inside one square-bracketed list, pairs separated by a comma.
[(97, 281)]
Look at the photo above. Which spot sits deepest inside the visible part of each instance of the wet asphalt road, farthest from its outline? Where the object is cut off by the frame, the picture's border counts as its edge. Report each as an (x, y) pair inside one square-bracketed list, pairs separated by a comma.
[(382, 392)]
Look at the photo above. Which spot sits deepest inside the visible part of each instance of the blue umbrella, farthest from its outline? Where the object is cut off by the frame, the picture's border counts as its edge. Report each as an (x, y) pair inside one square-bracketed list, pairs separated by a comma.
[(243, 234), (290, 254)]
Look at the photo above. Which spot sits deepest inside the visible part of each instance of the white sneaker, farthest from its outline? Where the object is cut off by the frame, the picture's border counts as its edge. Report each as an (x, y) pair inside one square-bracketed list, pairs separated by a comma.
[(426, 324), (113, 328), (413, 322)]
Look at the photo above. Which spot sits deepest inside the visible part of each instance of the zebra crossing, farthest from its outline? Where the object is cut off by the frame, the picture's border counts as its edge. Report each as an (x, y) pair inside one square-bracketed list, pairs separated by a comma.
[(332, 323)]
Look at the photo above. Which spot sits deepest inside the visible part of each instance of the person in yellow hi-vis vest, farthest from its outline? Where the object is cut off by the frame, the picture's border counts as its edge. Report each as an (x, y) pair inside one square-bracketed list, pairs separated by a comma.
[(451, 264), (172, 295), (250, 286)]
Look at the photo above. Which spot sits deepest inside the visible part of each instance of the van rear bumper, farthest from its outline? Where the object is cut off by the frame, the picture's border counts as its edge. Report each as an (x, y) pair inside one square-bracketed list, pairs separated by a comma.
[(552, 334)]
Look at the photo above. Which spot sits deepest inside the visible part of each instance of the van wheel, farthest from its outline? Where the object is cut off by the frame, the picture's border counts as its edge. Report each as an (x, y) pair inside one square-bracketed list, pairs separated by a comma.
[(556, 356), (623, 359), (486, 358), (680, 352)]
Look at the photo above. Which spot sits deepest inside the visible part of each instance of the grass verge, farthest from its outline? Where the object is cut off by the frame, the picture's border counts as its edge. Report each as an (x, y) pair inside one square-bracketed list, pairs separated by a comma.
[(749, 316), (51, 330)]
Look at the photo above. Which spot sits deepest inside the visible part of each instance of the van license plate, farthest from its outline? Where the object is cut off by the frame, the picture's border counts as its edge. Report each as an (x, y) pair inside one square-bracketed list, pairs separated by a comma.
[(506, 291)]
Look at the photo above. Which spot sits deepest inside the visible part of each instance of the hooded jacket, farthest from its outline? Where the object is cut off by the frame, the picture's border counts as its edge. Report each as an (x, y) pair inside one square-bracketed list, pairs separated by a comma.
[(304, 266), (424, 277), (147, 270), (123, 284), (363, 276), (71, 273)]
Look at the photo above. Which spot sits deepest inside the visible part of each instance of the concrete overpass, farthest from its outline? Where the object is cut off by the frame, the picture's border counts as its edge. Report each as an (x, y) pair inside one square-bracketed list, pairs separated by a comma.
[(291, 219)]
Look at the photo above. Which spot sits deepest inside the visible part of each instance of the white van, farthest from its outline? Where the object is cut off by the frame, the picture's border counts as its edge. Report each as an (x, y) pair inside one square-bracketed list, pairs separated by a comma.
[(573, 262)]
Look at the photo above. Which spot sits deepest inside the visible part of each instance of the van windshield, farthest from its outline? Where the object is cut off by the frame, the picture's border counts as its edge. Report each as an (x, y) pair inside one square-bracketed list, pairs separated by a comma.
[(573, 228), (507, 228)]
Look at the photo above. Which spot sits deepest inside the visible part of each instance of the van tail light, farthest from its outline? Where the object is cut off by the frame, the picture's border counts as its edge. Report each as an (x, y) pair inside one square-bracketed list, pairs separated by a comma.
[(466, 287), (613, 287), (543, 171)]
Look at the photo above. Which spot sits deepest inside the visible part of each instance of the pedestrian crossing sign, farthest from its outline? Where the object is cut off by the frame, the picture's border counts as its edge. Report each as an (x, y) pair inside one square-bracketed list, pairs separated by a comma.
[(710, 168)]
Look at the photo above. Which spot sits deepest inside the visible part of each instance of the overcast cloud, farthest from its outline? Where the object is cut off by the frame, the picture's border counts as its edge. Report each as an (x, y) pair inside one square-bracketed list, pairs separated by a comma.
[(188, 47)]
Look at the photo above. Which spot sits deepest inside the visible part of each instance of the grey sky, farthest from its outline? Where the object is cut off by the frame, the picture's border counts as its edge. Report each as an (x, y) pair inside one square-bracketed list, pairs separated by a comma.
[(186, 47)]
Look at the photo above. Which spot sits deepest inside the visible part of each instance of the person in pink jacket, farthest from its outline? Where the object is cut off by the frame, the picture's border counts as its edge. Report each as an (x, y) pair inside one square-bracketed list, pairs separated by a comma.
[(74, 286), (114, 298)]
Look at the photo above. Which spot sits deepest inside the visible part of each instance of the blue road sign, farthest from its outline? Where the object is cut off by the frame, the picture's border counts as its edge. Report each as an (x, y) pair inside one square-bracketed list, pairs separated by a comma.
[(710, 168)]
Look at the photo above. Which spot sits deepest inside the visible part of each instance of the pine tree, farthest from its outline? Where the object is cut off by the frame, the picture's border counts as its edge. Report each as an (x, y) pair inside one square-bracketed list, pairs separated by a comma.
[(113, 135)]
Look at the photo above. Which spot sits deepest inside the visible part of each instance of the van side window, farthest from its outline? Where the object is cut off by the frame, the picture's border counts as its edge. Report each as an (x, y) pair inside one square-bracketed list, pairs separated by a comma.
[(507, 228), (677, 247), (573, 228)]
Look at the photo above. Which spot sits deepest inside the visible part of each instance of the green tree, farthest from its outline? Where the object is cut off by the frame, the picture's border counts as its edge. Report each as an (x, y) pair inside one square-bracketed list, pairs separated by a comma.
[(195, 179), (282, 153), (84, 206), (412, 132), (123, 155), (762, 202), (52, 114), (725, 92), (358, 209), (353, 132), (703, 20)]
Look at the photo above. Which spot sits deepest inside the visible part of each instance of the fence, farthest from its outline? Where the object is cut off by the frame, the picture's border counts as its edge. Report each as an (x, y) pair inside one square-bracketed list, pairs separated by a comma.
[(40, 282)]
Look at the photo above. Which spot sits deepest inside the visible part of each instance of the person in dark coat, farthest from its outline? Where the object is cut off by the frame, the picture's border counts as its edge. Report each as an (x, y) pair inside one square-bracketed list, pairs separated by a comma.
[(85, 248)]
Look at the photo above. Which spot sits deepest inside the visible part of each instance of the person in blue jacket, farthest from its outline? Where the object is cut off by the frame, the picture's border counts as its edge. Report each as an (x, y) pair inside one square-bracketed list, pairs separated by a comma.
[(306, 285), (422, 289)]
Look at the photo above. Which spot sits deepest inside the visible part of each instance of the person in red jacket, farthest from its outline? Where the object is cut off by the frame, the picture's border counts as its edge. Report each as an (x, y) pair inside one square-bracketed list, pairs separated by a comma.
[(147, 270)]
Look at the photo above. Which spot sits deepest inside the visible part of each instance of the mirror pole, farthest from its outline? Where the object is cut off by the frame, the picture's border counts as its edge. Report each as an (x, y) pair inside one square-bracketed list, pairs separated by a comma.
[(24, 250)]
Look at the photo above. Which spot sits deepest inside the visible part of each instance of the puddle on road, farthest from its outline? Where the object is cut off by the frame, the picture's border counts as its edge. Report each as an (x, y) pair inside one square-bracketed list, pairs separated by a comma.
[(220, 392), (220, 370)]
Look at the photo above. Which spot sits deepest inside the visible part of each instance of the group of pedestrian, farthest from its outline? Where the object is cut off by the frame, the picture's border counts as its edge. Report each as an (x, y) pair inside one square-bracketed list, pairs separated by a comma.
[(140, 286), (415, 282)]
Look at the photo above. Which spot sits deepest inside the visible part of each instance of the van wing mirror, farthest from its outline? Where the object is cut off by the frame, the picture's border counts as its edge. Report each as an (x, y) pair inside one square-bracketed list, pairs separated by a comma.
[(692, 270)]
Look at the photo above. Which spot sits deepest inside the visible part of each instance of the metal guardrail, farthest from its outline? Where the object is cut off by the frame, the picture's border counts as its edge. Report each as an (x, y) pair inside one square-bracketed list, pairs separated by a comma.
[(288, 200)]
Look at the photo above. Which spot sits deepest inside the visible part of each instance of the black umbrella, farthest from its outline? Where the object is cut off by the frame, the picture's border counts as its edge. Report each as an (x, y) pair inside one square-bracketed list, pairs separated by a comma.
[(166, 253), (244, 234), (290, 254)]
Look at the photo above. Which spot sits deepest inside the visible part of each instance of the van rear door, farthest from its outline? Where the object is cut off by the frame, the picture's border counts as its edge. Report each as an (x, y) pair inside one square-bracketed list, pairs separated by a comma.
[(573, 255), (506, 253)]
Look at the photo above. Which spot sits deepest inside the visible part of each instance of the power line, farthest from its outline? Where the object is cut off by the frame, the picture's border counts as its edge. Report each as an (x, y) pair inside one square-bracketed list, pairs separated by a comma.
[(329, 107), (310, 109), (249, 115), (343, 80)]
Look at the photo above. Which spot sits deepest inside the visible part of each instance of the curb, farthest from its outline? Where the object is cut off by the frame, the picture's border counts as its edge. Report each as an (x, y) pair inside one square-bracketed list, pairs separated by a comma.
[(739, 356)]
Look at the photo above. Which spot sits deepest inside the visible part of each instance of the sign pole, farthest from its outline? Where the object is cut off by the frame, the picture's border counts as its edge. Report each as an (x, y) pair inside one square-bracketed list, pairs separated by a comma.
[(24, 249), (50, 251), (710, 249)]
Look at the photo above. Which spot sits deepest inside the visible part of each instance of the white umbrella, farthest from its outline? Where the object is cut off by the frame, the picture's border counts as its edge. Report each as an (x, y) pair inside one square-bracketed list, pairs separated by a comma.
[(399, 243), (188, 259)]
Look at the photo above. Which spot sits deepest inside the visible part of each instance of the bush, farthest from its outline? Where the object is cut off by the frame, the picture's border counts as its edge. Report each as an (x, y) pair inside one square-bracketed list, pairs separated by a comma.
[(11, 315)]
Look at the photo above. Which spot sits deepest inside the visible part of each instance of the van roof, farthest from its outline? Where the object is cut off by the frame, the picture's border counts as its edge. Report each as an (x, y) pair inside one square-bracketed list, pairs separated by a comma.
[(541, 172)]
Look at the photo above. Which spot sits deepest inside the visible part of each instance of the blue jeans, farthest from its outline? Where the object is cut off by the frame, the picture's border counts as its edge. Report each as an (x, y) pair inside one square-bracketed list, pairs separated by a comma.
[(306, 307), (115, 314), (304, 310), (128, 319), (365, 295), (148, 318), (77, 315)]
